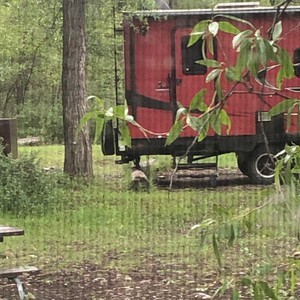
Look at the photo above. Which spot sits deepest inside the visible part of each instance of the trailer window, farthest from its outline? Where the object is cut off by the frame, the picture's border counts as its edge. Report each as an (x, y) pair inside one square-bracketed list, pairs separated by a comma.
[(189, 57), (297, 62)]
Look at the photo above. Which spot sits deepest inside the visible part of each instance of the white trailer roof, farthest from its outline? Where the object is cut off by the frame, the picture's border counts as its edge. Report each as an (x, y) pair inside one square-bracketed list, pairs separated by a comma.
[(221, 10)]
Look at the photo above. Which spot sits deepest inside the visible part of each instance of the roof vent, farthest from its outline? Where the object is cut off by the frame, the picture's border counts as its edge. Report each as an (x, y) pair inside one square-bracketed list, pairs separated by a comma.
[(236, 5)]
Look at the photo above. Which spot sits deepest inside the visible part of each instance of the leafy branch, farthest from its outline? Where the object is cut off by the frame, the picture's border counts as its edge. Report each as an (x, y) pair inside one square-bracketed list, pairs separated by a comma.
[(255, 54), (99, 115)]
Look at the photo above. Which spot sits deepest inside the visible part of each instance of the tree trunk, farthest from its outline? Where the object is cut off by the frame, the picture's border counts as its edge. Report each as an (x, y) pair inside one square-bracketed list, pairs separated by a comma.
[(78, 151)]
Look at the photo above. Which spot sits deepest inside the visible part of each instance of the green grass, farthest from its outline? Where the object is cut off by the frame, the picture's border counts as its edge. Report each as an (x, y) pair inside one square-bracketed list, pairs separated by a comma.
[(53, 156), (104, 219), (126, 222)]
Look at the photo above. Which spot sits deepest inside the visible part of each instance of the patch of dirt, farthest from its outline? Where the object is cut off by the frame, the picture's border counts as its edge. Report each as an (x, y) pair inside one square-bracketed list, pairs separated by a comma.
[(153, 280), (89, 281)]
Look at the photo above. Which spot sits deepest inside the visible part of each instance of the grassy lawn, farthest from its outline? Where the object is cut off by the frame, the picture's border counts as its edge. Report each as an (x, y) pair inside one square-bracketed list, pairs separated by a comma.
[(105, 223)]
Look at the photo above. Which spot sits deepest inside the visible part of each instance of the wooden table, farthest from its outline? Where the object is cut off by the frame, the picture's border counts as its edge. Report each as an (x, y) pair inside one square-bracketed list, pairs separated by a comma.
[(13, 274), (9, 231)]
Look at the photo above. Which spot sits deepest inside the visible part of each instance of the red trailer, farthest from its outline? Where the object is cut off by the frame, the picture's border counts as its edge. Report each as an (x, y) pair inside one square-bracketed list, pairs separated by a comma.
[(160, 72)]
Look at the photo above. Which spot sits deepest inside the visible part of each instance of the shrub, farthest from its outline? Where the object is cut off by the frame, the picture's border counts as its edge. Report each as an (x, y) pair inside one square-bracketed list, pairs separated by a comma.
[(25, 188)]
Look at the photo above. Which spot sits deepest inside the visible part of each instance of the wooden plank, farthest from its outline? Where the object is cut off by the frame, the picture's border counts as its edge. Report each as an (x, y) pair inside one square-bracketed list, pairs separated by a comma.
[(10, 231), (12, 273)]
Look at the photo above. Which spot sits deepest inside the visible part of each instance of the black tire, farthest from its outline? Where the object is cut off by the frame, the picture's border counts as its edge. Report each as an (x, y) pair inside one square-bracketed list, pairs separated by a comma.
[(261, 165), (242, 162), (108, 139)]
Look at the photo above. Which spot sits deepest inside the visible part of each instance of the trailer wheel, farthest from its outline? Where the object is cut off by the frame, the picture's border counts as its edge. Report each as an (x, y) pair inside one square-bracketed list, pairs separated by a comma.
[(108, 139), (242, 161), (261, 166)]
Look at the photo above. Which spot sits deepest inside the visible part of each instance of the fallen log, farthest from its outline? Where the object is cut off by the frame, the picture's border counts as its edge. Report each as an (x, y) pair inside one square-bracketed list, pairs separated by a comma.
[(30, 141), (139, 180)]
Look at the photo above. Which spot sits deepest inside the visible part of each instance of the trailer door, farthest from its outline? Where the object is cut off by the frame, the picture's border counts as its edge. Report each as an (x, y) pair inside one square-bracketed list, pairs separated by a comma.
[(189, 76)]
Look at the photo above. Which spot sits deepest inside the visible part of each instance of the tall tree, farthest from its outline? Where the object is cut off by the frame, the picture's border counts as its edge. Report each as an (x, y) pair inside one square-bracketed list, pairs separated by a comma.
[(78, 151)]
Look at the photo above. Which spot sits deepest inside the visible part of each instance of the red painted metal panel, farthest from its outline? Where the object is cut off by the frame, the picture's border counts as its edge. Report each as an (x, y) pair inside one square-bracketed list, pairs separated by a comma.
[(157, 122), (153, 61), (127, 52)]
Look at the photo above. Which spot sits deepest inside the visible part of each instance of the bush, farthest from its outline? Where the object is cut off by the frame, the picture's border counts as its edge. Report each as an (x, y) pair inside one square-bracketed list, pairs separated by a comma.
[(25, 188)]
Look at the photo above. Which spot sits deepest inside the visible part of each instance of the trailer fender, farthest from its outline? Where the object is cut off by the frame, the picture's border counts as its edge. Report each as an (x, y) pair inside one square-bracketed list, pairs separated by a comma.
[(242, 161)]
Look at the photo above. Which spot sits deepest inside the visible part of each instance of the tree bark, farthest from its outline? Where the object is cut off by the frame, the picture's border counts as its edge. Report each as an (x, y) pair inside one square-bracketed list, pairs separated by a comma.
[(78, 150)]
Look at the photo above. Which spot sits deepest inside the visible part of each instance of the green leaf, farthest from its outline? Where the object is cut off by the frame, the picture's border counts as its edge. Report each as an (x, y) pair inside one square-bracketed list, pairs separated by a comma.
[(194, 38), (203, 48), (125, 133), (280, 78), (175, 131), (253, 63), (282, 107), (198, 103), (279, 166), (296, 170), (211, 45), (198, 31), (270, 50), (91, 97), (287, 64), (98, 101), (277, 31), (213, 75), (99, 127), (233, 74), (216, 249), (218, 88), (240, 38), (213, 28), (203, 133), (236, 19), (225, 120), (196, 123), (91, 115), (209, 63), (95, 116), (228, 27), (216, 124), (262, 53), (179, 112), (243, 56), (232, 235), (119, 111)]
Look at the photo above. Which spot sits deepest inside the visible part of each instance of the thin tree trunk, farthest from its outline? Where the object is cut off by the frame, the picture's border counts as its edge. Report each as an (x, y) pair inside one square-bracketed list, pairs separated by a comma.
[(78, 152)]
